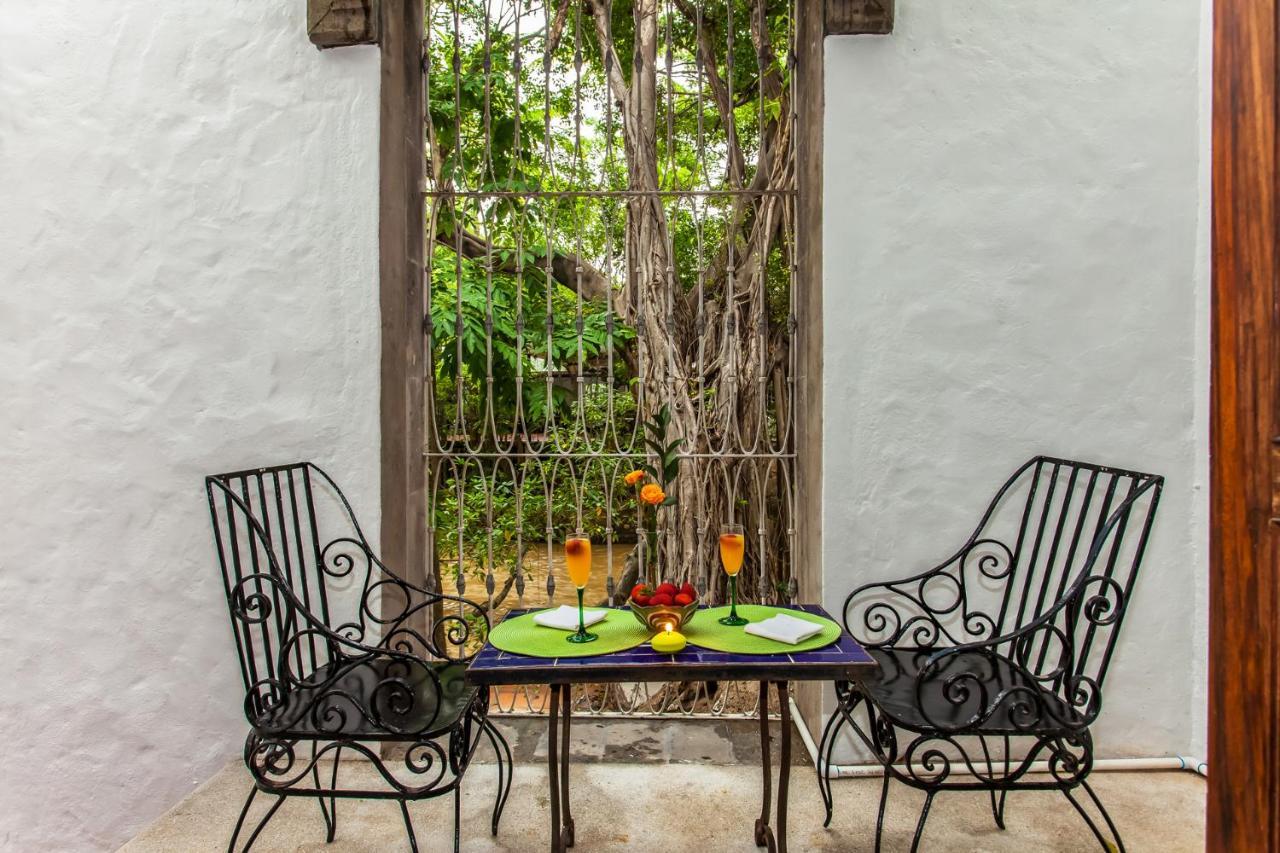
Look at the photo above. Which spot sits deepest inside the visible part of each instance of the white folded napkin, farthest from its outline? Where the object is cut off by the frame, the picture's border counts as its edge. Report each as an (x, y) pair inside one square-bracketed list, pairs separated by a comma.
[(565, 617), (784, 629)]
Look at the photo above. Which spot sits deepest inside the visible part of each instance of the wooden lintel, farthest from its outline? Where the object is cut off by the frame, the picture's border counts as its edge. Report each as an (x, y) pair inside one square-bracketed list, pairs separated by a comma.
[(859, 17), (341, 23)]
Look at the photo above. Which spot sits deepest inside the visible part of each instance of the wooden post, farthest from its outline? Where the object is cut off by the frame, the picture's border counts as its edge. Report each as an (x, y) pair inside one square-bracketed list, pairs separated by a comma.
[(1244, 570), (808, 511), (400, 288), (855, 17)]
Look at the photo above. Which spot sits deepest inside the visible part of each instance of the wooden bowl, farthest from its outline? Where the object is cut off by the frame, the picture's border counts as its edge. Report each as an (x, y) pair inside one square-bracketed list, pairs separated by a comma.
[(660, 617)]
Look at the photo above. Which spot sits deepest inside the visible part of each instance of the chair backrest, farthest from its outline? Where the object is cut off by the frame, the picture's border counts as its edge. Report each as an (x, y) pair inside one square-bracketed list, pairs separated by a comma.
[(1080, 536), (304, 588), (1058, 547)]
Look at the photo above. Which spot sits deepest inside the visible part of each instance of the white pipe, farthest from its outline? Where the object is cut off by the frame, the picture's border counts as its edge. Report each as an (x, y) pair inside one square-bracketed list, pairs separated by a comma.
[(843, 771)]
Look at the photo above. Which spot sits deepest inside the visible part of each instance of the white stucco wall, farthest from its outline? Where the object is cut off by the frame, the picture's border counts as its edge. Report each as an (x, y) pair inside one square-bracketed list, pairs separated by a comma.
[(1017, 264), (188, 227)]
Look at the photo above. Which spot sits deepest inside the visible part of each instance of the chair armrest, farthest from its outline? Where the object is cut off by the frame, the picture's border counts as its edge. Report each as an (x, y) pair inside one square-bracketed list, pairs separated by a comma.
[(453, 619), (391, 677), (253, 600), (930, 608)]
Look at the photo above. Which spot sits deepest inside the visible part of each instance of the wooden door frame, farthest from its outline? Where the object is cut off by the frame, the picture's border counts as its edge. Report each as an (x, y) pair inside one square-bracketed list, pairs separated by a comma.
[(1244, 581), (401, 255), (401, 288)]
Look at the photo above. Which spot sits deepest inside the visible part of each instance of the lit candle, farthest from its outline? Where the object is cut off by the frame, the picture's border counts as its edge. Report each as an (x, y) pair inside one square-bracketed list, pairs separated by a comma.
[(668, 642)]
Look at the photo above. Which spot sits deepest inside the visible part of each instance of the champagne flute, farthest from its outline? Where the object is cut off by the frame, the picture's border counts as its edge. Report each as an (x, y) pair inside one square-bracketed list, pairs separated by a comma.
[(577, 561), (733, 544)]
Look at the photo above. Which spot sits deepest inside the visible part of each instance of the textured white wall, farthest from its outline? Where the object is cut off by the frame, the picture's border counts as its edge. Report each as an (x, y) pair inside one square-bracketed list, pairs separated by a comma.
[(1016, 265), (188, 224)]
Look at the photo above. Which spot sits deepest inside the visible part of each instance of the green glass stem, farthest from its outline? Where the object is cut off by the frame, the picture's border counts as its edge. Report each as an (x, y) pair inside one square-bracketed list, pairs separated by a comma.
[(581, 635), (733, 619)]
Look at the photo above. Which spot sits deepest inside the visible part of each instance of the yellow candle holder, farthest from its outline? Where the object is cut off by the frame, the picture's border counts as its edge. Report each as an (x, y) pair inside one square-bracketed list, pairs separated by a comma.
[(668, 642)]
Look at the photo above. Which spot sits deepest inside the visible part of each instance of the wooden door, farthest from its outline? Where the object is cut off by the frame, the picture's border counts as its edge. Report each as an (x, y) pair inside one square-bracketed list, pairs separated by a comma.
[(1244, 596)]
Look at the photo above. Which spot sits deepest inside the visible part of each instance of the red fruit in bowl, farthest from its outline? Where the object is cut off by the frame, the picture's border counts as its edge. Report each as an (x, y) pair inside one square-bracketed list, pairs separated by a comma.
[(662, 600), (642, 600), (667, 589), (688, 590), (683, 600), (639, 591)]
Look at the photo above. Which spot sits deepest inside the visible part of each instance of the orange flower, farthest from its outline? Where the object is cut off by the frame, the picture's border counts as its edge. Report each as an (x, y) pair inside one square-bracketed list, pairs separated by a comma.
[(652, 494), (634, 477)]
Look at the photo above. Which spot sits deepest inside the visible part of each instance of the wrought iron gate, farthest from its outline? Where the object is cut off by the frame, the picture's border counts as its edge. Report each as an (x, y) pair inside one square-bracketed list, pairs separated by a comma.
[(610, 205)]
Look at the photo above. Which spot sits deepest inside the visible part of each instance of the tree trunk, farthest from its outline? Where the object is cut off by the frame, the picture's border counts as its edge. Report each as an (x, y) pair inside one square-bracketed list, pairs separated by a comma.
[(726, 339)]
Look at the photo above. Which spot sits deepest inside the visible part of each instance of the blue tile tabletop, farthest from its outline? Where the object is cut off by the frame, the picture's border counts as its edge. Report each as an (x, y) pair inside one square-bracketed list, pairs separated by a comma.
[(842, 659)]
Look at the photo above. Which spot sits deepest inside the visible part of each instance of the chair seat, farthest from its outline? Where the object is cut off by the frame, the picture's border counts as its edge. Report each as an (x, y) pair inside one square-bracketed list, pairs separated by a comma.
[(374, 699), (893, 690)]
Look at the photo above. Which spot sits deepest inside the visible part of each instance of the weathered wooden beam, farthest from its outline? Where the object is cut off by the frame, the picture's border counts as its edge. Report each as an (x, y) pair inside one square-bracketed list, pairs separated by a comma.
[(401, 296), (340, 23), (858, 17), (808, 287)]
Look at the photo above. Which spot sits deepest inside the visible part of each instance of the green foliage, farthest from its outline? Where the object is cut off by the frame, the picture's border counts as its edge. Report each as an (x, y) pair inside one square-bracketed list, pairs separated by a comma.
[(666, 452)]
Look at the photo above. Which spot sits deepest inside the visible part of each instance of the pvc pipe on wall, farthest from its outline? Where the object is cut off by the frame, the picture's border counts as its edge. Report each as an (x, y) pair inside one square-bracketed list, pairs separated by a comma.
[(843, 771)]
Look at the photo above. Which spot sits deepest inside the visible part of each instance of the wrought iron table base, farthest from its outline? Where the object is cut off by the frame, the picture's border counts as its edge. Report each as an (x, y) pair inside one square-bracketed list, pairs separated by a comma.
[(765, 835), (772, 835)]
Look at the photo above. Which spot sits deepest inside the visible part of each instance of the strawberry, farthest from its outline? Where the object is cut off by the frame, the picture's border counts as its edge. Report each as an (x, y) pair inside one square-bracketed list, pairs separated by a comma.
[(639, 591), (662, 600), (683, 600), (641, 600), (688, 590), (667, 589)]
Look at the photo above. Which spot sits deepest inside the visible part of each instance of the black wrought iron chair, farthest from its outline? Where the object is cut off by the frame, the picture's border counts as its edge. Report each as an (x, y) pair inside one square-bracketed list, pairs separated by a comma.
[(994, 660), (339, 654)]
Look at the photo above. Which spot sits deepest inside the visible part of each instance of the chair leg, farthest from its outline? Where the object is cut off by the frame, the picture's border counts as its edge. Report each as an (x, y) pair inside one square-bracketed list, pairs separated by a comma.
[(924, 815), (1115, 833), (244, 811), (457, 818), (1107, 846), (261, 824), (825, 748), (999, 810), (997, 806), (500, 750), (884, 798), (997, 802), (333, 800), (408, 825), (329, 811)]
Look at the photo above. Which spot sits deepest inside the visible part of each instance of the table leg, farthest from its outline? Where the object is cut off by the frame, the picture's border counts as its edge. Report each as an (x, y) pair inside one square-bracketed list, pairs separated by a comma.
[(566, 694), (774, 836), (553, 766), (784, 770), (764, 835)]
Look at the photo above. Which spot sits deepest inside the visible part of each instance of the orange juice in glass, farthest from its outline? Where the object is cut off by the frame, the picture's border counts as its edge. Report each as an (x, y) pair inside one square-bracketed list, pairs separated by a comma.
[(733, 545), (577, 562)]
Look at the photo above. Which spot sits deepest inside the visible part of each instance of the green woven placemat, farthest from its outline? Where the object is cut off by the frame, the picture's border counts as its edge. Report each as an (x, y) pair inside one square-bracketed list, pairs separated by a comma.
[(704, 630), (618, 631)]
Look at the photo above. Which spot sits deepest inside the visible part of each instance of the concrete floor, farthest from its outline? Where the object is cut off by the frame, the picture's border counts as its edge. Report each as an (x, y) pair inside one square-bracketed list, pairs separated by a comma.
[(695, 807)]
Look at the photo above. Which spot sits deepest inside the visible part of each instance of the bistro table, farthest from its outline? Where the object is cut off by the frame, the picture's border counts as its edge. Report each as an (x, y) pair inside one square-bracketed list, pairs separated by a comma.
[(843, 659)]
